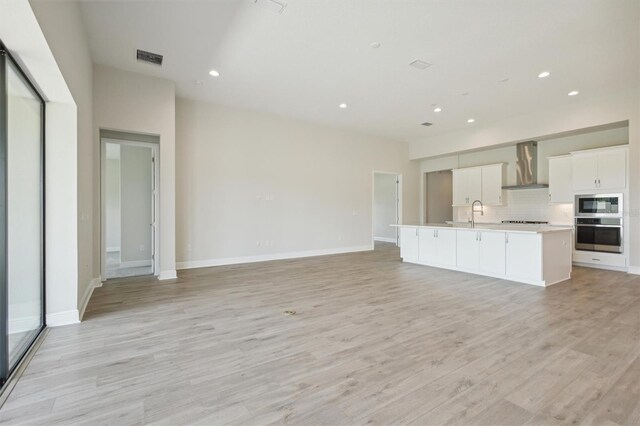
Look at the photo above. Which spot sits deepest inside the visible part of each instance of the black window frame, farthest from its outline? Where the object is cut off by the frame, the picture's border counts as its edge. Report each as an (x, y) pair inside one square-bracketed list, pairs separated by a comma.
[(5, 58)]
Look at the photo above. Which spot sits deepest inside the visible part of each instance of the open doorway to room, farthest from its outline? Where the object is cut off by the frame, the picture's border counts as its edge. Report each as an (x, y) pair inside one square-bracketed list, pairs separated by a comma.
[(387, 206), (439, 196), (129, 205)]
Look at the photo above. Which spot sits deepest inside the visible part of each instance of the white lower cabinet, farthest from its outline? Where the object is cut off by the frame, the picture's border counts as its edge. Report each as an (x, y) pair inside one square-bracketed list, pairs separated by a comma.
[(428, 246), (482, 251), (446, 247), (534, 258), (409, 244), (438, 246), (492, 253), (524, 256), (468, 256)]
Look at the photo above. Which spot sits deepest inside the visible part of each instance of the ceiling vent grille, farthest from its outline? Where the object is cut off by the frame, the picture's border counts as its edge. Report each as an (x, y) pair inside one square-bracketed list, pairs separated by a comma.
[(274, 6), (427, 124), (152, 58), (419, 64)]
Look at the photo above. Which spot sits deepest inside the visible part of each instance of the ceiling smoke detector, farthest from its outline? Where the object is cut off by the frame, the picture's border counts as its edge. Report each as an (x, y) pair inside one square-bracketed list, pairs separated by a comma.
[(274, 6), (152, 58), (419, 64)]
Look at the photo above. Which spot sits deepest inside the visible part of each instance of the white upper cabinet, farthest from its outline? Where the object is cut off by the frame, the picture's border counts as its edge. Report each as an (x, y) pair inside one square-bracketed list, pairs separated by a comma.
[(599, 169), (478, 183), (560, 179), (492, 182), (467, 186), (612, 169)]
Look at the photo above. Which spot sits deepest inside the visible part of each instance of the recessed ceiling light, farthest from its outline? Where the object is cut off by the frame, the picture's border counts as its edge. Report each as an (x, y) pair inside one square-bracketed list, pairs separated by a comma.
[(437, 109), (471, 120), (544, 74), (343, 106), (375, 44), (214, 73), (573, 93)]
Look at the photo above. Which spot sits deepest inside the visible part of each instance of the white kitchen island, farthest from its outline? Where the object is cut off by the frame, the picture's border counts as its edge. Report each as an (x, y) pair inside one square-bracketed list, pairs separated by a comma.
[(538, 255)]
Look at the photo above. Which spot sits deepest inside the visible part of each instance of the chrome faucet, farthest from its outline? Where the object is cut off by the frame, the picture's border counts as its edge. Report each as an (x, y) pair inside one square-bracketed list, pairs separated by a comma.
[(474, 211)]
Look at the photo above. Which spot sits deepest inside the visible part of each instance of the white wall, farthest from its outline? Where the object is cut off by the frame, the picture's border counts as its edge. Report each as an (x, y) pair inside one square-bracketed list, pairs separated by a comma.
[(245, 178), (135, 184), (63, 28), (384, 206), (20, 31), (135, 103)]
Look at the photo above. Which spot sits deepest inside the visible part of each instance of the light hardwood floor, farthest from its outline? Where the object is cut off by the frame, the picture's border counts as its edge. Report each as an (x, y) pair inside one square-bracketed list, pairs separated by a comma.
[(374, 341)]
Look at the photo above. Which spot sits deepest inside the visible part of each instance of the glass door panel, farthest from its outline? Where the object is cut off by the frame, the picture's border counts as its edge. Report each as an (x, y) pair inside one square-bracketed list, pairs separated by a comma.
[(24, 219)]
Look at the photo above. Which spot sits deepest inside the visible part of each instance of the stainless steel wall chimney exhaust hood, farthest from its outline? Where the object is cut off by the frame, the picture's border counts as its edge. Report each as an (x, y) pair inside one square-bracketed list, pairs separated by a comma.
[(527, 167)]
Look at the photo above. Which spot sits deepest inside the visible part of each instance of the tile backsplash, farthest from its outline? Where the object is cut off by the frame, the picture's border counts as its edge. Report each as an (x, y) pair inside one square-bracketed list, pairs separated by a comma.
[(526, 204)]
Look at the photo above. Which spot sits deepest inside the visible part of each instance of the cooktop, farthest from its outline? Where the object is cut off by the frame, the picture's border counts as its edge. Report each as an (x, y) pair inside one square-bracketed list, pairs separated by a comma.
[(526, 222)]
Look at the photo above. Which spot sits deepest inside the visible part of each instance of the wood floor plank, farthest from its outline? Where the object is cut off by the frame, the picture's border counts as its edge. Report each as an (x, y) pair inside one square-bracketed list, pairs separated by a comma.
[(373, 341)]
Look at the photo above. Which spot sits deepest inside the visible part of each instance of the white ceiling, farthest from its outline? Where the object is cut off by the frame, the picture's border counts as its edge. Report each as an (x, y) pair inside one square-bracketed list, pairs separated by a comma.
[(316, 55)]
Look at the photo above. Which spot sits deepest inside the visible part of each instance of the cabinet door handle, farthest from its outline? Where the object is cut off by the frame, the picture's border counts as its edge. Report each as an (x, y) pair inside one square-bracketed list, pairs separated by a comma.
[(599, 184), (480, 236), (437, 233), (506, 238), (416, 232)]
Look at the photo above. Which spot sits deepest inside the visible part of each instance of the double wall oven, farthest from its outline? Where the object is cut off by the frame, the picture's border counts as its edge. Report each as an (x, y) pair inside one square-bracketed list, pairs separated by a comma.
[(599, 223)]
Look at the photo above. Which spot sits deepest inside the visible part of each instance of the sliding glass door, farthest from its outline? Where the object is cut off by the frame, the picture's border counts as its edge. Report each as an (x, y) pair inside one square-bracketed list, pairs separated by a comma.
[(21, 214)]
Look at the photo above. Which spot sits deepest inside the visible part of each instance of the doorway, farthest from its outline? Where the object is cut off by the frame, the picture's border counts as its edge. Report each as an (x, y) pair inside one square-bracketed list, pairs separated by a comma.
[(129, 207), (387, 206), (439, 196)]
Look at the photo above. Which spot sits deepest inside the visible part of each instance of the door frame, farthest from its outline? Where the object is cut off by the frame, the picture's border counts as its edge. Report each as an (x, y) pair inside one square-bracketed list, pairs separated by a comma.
[(399, 202), (155, 235)]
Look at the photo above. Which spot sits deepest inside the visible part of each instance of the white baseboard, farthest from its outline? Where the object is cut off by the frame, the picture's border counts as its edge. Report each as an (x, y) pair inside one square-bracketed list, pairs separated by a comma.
[(635, 270), (135, 263), (63, 318), (267, 257), (168, 275), (112, 249), (96, 282), (385, 239)]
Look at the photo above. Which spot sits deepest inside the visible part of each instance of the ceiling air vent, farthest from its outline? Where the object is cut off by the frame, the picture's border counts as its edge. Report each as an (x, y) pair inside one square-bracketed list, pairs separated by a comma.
[(273, 5), (421, 65), (427, 124), (152, 58)]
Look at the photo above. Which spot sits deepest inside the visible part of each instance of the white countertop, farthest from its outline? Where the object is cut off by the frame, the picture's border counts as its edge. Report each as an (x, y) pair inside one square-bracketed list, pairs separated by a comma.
[(525, 229)]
